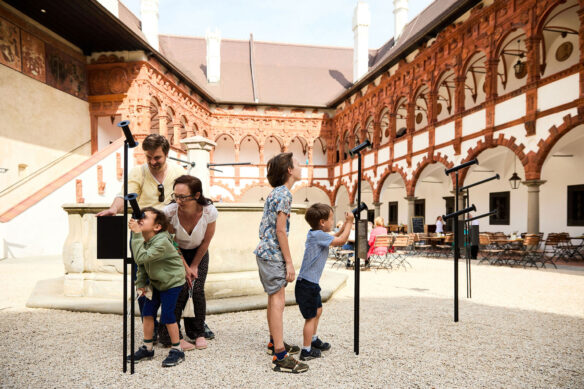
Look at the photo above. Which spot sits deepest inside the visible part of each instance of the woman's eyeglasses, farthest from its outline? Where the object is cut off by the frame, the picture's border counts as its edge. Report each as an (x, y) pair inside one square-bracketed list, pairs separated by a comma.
[(181, 197), (161, 193)]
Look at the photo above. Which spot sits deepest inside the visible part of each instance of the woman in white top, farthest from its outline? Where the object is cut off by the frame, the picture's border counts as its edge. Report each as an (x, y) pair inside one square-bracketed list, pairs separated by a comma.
[(192, 219), (439, 225)]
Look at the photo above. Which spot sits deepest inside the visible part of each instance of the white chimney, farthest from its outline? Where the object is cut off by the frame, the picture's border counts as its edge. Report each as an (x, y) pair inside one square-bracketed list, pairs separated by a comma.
[(213, 55), (400, 12), (361, 19), (112, 6), (149, 16)]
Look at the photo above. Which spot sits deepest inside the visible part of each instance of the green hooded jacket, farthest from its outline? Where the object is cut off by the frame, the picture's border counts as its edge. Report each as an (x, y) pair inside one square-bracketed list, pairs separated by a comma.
[(157, 261)]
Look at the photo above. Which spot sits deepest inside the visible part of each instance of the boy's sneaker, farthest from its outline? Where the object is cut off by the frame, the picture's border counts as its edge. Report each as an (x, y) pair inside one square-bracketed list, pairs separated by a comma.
[(319, 344), (174, 358), (290, 348), (142, 354), (308, 355), (288, 365)]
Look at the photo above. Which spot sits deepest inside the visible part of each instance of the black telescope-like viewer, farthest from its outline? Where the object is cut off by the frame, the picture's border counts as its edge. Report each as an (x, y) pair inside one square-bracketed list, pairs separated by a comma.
[(136, 211), (472, 208), (359, 209), (360, 147), (125, 125), (461, 166)]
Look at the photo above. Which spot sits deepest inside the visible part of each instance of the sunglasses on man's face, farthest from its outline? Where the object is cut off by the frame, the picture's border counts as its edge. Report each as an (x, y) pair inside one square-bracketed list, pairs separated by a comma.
[(161, 193)]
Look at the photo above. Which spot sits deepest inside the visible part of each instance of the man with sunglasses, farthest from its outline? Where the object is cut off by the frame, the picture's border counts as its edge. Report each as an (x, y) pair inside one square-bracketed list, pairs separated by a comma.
[(152, 181)]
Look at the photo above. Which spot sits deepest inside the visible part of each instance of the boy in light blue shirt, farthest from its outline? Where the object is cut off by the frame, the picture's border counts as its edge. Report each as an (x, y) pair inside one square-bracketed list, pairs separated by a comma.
[(307, 291)]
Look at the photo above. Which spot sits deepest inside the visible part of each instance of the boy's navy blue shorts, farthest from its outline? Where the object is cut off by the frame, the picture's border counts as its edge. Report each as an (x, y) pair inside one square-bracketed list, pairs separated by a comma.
[(168, 300), (308, 298)]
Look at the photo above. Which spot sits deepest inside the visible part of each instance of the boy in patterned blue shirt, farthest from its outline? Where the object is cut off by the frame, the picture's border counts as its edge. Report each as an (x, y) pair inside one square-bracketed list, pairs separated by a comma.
[(307, 291), (274, 260)]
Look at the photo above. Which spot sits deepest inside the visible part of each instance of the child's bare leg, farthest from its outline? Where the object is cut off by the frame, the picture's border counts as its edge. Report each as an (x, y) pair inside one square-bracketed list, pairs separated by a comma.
[(268, 316), (317, 319), (276, 303), (148, 326), (309, 330), (173, 333)]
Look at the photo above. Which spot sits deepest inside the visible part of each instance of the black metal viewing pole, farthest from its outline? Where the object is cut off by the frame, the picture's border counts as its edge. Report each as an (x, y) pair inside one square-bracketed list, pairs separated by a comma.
[(456, 253), (357, 260), (129, 142), (357, 150), (468, 226), (456, 214), (125, 261)]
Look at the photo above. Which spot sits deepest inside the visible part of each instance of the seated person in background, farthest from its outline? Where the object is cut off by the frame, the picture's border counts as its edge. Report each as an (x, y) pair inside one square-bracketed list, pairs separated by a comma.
[(378, 230)]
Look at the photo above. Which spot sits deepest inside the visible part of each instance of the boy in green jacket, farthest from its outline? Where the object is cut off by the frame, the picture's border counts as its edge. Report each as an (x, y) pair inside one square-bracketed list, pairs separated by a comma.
[(160, 266)]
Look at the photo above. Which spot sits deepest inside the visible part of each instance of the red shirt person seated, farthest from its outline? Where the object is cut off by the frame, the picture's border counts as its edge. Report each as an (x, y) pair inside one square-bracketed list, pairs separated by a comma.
[(378, 230)]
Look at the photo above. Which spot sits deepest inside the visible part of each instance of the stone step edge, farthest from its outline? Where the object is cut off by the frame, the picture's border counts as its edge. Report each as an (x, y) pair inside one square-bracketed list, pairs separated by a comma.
[(49, 294)]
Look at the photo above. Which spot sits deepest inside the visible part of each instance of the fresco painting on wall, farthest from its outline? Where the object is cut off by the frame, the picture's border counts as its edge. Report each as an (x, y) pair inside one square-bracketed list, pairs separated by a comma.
[(33, 57), (9, 44), (66, 73)]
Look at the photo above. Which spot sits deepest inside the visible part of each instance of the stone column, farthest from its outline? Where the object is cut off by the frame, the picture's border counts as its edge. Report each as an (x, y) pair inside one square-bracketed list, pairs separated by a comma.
[(198, 151), (411, 211), (162, 128), (236, 171), (176, 128), (533, 205), (377, 206)]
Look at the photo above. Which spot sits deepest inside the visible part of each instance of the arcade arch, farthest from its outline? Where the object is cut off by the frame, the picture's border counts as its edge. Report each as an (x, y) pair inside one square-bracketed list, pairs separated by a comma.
[(559, 172)]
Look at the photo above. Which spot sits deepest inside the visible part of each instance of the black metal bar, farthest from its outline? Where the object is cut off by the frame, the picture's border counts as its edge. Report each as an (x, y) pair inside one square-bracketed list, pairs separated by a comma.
[(132, 313), (182, 160), (472, 208), (495, 177), (357, 261), (228, 164), (481, 216), (125, 308), (467, 248), (456, 251), (461, 166), (217, 170)]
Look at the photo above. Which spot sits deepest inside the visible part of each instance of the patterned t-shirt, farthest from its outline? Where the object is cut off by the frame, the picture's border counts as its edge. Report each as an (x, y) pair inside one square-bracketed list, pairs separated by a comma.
[(279, 200)]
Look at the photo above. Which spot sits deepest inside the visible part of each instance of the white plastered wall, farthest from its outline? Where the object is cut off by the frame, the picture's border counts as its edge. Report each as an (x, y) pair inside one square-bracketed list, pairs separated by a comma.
[(38, 124)]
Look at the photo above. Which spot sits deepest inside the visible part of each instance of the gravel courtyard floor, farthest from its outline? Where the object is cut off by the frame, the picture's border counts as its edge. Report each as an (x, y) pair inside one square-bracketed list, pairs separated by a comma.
[(522, 328)]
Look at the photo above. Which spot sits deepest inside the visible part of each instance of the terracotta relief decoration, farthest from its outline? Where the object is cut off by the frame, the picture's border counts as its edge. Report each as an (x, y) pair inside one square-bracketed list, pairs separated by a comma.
[(66, 73), (9, 45), (33, 57), (564, 51)]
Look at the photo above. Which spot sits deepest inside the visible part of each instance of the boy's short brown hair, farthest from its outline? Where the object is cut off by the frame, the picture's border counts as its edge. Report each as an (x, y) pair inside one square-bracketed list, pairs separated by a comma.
[(278, 169), (154, 141), (317, 212), (160, 218)]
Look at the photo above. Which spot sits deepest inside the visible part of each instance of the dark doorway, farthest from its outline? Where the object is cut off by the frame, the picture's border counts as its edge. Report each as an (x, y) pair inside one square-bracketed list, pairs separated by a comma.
[(449, 205), (392, 212), (370, 215), (420, 208)]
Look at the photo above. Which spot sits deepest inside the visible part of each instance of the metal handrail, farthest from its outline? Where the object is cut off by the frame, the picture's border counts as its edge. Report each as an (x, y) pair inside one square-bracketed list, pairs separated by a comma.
[(29, 177)]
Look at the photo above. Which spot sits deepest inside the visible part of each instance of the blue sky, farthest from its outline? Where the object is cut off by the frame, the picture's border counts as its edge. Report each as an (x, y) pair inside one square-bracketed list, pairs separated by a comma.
[(313, 22)]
